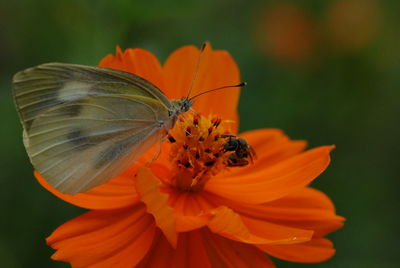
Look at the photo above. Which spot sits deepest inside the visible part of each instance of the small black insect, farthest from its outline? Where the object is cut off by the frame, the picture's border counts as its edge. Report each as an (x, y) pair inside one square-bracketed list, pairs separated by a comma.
[(242, 151)]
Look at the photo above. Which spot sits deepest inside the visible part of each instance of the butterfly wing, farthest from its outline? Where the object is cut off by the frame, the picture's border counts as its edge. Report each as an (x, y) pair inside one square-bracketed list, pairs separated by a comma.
[(84, 125), (42, 87)]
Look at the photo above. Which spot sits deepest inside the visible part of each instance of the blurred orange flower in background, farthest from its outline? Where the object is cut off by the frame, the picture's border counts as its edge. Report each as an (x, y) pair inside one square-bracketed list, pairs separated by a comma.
[(285, 32), (353, 24), (191, 209)]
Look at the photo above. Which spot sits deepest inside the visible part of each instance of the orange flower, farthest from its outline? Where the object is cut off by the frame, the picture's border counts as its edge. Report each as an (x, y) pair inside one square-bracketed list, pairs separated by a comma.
[(191, 208), (285, 32)]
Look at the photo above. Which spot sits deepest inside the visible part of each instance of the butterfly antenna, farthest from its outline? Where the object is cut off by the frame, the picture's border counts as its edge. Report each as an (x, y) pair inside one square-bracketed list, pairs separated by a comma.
[(242, 84), (196, 72)]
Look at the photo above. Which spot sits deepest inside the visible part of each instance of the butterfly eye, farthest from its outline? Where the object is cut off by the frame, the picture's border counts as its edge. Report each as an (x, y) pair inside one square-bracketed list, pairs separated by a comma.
[(186, 104)]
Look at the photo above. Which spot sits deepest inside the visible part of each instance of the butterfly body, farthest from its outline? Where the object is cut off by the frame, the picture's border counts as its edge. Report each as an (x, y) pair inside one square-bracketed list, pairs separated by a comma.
[(84, 125)]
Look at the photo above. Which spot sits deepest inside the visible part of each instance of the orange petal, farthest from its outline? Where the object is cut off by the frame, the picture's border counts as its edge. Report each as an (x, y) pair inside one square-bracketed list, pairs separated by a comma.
[(264, 137), (192, 210), (189, 203), (316, 250), (136, 61), (233, 226), (160, 255), (273, 145), (275, 181), (203, 249), (223, 252), (217, 69), (190, 223), (190, 252), (117, 193), (179, 71), (148, 188), (104, 238), (308, 209), (113, 62)]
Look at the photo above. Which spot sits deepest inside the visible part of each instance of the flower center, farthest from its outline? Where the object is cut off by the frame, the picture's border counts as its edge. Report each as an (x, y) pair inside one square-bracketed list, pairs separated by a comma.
[(198, 151)]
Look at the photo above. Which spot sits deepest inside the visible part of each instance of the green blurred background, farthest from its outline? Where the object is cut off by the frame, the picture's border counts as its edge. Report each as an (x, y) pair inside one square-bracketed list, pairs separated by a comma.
[(324, 71)]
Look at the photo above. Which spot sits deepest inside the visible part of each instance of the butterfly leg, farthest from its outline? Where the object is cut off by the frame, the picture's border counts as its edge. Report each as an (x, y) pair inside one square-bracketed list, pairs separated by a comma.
[(157, 151), (194, 112)]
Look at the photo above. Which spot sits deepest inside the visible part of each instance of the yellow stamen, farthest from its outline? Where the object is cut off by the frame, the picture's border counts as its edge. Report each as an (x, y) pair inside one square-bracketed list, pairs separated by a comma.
[(197, 151)]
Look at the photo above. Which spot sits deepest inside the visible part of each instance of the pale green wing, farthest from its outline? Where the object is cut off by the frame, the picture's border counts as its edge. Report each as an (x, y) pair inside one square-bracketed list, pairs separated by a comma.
[(42, 87), (80, 133), (76, 152)]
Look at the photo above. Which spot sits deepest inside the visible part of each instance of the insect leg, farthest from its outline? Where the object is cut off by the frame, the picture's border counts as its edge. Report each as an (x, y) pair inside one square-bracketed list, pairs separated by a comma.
[(157, 151)]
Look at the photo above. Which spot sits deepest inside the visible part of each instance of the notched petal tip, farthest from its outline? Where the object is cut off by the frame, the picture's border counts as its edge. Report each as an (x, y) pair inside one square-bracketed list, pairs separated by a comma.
[(118, 50), (136, 61)]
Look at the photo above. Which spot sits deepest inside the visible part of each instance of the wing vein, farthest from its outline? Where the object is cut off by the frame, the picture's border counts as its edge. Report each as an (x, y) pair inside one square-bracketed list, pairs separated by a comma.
[(107, 165), (80, 137), (47, 131)]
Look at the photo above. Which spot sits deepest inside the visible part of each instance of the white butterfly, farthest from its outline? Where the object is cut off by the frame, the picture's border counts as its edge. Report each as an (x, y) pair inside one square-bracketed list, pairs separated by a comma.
[(84, 125)]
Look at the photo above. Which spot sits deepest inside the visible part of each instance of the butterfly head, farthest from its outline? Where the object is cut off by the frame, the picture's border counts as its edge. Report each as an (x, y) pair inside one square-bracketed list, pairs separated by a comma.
[(180, 106)]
